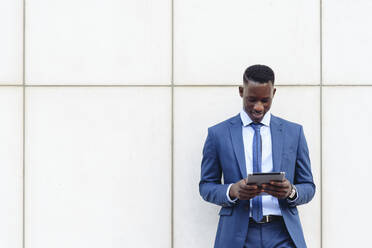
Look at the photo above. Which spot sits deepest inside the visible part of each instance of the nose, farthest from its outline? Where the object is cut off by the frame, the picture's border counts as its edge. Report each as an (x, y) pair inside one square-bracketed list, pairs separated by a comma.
[(258, 107)]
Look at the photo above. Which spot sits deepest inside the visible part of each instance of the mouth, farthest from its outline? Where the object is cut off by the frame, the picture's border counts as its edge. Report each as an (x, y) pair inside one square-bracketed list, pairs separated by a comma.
[(257, 116)]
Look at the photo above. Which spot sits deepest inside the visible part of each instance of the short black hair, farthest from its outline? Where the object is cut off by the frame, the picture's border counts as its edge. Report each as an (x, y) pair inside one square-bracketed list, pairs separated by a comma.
[(259, 74)]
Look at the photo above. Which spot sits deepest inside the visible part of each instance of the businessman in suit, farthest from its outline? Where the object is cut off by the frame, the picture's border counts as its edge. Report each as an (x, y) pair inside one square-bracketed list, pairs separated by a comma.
[(257, 141)]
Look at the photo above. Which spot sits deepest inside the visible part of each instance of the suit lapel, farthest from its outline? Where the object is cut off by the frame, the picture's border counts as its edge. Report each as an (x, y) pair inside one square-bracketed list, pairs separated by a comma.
[(238, 145), (277, 142)]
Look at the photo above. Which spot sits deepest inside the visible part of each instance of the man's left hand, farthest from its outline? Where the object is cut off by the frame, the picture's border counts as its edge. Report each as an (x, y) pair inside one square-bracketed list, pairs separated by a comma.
[(278, 189)]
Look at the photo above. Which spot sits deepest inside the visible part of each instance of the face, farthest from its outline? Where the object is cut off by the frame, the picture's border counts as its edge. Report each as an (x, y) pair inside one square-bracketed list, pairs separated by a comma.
[(257, 99)]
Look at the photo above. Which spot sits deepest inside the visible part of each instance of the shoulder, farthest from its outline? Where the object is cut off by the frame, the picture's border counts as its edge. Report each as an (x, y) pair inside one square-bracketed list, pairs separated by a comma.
[(288, 125), (224, 125)]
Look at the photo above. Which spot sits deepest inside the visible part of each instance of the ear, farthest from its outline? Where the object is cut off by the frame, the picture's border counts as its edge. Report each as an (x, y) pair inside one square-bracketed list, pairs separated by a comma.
[(274, 90), (241, 91)]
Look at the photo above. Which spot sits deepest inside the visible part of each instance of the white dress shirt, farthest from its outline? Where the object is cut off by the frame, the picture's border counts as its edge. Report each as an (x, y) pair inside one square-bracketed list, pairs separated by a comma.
[(270, 204)]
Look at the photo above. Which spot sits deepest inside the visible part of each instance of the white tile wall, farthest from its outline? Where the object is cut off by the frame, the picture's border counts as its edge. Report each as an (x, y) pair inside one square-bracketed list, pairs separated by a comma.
[(347, 166), (88, 148), (302, 105), (11, 41), (216, 40), (98, 42), (198, 108), (11, 188), (98, 167), (347, 39)]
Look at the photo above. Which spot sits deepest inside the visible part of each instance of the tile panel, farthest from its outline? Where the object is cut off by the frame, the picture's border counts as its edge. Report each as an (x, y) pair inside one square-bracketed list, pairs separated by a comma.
[(99, 164), (98, 42), (347, 167), (11, 42), (216, 40), (11, 164)]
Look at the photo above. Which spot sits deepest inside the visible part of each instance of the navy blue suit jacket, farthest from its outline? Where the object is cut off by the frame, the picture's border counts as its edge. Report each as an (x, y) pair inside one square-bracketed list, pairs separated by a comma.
[(223, 156)]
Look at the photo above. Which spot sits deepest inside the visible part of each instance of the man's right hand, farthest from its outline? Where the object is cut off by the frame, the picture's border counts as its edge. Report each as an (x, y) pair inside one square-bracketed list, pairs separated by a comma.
[(242, 191)]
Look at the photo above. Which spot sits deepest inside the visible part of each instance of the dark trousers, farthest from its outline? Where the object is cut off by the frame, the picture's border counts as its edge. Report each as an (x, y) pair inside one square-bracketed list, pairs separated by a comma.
[(268, 235)]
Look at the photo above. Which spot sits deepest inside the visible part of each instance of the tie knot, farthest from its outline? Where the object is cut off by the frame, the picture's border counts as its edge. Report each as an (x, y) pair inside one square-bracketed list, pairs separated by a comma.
[(256, 126)]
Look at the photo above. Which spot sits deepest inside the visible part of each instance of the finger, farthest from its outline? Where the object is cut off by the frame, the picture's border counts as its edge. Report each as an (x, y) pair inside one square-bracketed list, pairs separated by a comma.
[(274, 188), (279, 188), (247, 196), (278, 194), (250, 192), (249, 186), (272, 193), (279, 184), (283, 182)]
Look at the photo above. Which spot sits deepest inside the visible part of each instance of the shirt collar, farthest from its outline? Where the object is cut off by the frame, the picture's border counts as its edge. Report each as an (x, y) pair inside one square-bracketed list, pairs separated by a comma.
[(247, 120)]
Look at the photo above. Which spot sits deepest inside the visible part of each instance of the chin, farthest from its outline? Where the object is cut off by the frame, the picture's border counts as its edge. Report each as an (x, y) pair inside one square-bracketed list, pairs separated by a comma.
[(255, 119)]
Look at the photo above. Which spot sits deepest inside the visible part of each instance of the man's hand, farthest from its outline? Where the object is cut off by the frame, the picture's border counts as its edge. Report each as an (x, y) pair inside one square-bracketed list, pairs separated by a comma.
[(278, 189), (242, 191)]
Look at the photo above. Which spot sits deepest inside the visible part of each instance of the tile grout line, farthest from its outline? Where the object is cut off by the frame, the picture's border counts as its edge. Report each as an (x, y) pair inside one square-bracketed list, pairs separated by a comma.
[(321, 116), (346, 85), (24, 128), (24, 167), (172, 124), (321, 164), (172, 86)]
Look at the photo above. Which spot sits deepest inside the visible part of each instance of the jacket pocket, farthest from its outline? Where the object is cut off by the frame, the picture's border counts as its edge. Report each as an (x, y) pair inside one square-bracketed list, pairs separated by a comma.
[(226, 211)]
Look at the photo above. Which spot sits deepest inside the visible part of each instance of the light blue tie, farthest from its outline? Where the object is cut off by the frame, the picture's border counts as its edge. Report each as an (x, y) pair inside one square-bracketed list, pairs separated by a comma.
[(257, 161)]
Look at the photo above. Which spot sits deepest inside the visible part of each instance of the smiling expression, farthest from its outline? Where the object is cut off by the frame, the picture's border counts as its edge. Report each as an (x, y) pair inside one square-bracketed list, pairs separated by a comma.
[(257, 98)]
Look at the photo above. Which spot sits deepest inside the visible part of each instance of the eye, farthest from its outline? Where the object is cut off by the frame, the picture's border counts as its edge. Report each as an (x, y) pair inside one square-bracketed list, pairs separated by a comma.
[(266, 100)]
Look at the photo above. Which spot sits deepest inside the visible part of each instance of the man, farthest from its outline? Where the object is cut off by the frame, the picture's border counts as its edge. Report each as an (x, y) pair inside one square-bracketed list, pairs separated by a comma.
[(256, 141)]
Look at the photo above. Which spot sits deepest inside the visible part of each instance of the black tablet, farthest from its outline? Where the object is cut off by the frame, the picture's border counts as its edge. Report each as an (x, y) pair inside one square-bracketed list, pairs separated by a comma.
[(260, 178)]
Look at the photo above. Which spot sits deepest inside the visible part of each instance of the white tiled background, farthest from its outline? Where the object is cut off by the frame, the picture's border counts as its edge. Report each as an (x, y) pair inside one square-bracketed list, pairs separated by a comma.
[(11, 189), (11, 28), (98, 167), (105, 107)]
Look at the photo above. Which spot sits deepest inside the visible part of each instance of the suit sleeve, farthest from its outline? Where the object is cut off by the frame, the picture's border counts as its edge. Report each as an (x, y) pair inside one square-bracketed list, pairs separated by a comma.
[(210, 187), (303, 178)]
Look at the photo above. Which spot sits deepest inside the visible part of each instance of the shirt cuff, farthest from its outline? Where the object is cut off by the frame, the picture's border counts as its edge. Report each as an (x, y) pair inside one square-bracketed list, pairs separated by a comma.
[(227, 195)]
